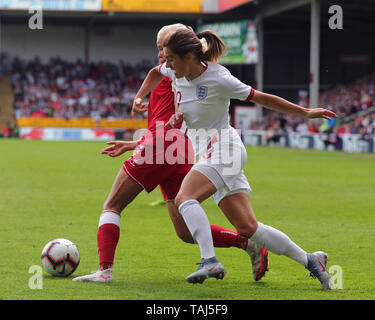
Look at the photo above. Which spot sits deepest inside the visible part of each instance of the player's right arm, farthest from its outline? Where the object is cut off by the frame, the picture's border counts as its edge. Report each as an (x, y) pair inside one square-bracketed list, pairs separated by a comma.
[(117, 148), (152, 80)]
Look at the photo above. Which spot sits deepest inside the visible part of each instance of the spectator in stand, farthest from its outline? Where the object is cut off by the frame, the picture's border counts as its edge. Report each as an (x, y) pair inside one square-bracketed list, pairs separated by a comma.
[(4, 63), (73, 90), (302, 127), (345, 100), (372, 123), (98, 90)]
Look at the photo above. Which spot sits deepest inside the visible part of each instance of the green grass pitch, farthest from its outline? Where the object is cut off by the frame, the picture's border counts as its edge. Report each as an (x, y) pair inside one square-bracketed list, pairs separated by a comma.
[(322, 200)]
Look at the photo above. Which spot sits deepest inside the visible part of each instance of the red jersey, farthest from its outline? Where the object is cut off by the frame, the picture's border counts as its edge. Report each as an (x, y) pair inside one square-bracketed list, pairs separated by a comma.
[(143, 166), (160, 109), (161, 104)]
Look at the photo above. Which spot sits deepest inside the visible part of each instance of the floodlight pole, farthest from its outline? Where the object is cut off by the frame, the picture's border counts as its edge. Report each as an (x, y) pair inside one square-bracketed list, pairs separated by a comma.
[(314, 53)]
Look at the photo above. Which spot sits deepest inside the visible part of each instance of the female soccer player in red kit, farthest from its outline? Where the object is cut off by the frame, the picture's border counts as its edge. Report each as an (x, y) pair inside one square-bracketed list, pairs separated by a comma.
[(138, 174)]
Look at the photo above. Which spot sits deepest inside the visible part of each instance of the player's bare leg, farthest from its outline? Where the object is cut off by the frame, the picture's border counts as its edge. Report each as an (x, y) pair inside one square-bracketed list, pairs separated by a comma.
[(179, 224), (123, 192), (245, 221)]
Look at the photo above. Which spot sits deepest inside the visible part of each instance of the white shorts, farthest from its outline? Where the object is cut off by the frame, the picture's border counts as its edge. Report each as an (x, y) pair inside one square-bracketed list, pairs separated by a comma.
[(223, 166), (225, 185)]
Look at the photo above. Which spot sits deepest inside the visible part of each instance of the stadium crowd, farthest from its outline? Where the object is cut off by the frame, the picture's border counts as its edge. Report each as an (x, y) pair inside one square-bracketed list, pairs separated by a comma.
[(65, 89), (73, 90), (354, 103)]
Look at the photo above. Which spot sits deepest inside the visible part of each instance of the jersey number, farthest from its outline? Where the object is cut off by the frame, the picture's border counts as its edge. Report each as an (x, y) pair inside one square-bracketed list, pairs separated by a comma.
[(178, 98)]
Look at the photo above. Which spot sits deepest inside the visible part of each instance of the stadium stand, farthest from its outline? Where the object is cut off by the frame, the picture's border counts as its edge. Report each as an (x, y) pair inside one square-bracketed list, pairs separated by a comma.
[(353, 102), (65, 94), (62, 89)]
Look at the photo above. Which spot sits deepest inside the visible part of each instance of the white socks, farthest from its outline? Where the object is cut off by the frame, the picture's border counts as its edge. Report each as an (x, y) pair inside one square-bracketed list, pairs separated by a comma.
[(265, 236), (197, 222), (279, 243)]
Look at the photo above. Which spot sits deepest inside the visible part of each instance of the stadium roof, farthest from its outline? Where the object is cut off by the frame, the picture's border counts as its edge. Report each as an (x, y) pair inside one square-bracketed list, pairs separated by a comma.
[(358, 14)]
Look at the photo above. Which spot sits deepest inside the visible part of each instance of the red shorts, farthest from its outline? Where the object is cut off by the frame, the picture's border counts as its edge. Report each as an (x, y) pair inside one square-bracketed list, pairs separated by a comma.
[(152, 170)]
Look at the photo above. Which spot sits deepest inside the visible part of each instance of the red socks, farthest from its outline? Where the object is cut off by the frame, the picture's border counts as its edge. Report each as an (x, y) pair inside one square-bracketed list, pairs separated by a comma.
[(107, 237), (225, 238), (109, 233)]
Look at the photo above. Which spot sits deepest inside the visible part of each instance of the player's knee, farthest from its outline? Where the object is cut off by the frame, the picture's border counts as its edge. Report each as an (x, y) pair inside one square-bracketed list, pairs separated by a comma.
[(247, 229), (181, 198), (178, 200)]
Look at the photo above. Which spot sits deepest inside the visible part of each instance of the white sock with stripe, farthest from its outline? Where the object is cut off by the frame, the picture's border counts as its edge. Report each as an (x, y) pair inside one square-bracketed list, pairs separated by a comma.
[(110, 216)]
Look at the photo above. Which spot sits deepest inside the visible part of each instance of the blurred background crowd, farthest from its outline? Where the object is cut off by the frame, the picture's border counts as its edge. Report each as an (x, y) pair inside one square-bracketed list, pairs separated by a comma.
[(69, 90), (73, 90), (353, 103)]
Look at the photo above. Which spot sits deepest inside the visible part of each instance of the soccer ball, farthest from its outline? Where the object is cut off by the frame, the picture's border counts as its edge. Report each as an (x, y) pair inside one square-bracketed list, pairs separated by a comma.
[(60, 257)]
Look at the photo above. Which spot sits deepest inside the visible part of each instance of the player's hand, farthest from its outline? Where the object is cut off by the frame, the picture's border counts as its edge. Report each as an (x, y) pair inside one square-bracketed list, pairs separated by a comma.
[(117, 148), (138, 107), (175, 119), (320, 113)]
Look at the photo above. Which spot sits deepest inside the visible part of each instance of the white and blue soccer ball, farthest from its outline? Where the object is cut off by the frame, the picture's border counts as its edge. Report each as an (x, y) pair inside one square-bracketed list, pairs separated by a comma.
[(60, 257)]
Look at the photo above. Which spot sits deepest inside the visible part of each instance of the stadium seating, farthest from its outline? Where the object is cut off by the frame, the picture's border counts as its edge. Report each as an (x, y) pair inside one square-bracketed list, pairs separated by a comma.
[(73, 94), (65, 94), (354, 103)]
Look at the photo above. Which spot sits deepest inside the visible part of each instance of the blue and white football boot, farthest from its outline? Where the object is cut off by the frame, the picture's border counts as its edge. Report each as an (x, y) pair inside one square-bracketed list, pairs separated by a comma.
[(208, 268), (316, 264)]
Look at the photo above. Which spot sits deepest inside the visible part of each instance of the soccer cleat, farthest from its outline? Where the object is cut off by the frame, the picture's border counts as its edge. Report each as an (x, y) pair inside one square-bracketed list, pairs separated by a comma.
[(316, 264), (208, 268), (97, 276), (259, 260)]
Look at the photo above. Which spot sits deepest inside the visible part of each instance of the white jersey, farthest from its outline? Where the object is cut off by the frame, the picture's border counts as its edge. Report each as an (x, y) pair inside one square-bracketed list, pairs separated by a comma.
[(205, 103), (205, 100)]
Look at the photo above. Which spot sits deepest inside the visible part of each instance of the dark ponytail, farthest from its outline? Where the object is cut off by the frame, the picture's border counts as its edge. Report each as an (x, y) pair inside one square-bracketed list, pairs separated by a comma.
[(206, 46), (215, 49)]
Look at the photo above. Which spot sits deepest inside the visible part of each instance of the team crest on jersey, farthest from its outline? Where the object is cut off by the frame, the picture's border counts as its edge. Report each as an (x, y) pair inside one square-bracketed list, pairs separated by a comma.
[(202, 92)]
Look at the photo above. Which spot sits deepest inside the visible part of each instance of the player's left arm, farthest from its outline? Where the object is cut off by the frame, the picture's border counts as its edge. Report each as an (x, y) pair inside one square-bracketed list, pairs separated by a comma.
[(281, 105), (152, 80)]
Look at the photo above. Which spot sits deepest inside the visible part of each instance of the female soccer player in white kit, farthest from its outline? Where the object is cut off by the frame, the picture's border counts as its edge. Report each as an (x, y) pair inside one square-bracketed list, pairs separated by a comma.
[(135, 176), (203, 92)]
